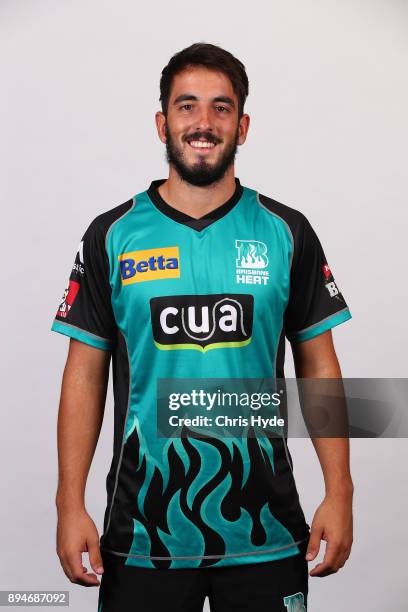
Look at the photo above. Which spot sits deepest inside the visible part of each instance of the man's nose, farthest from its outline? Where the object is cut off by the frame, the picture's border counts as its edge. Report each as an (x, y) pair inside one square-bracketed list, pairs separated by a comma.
[(203, 120)]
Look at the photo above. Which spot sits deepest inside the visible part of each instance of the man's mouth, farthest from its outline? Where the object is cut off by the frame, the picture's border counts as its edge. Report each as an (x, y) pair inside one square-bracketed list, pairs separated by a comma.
[(197, 141), (201, 144)]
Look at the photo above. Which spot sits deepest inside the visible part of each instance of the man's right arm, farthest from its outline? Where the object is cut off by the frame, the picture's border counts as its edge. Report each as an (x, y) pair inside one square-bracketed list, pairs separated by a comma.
[(81, 410)]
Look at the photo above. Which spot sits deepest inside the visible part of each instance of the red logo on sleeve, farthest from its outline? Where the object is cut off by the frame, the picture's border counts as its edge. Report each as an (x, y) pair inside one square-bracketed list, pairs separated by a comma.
[(326, 271), (68, 298)]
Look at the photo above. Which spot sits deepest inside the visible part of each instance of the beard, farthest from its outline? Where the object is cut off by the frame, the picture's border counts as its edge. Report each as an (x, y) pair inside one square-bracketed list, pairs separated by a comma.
[(201, 173)]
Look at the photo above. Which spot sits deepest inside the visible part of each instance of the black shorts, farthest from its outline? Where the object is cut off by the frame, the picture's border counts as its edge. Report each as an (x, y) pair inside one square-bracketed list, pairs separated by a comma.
[(272, 586)]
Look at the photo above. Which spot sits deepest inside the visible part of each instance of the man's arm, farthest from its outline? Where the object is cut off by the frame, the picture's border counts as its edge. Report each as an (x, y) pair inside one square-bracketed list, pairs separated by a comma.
[(316, 358), (82, 404)]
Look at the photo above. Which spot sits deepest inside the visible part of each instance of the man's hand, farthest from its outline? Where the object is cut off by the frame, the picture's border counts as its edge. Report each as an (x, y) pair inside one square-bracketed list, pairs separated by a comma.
[(332, 522), (77, 533)]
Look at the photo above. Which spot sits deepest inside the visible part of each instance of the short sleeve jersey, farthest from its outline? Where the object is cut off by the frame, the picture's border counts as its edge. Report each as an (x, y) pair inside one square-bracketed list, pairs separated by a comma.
[(171, 296)]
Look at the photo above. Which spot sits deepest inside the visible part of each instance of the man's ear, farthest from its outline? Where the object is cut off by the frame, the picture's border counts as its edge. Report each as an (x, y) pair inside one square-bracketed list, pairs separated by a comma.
[(161, 126), (243, 128)]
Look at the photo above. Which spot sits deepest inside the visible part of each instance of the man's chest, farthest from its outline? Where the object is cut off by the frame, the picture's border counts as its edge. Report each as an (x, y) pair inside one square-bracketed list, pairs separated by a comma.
[(200, 287)]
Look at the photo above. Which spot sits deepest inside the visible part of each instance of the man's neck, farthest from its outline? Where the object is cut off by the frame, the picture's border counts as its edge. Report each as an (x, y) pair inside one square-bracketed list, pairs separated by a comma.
[(197, 201)]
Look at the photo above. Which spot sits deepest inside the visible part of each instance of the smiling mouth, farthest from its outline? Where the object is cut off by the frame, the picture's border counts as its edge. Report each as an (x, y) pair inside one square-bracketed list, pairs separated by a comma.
[(201, 144)]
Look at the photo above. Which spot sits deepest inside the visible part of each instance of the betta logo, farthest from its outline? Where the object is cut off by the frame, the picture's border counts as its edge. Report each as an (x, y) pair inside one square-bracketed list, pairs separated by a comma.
[(68, 298), (202, 322), (150, 264)]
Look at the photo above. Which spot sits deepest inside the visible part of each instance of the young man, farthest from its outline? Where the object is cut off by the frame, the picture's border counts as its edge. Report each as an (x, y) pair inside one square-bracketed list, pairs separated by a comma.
[(196, 278)]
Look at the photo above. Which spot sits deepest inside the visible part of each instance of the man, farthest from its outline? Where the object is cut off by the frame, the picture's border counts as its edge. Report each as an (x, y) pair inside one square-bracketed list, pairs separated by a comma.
[(196, 278)]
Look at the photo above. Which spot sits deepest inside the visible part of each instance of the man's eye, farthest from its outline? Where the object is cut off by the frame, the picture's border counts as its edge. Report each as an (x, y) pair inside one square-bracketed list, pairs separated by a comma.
[(187, 106), (222, 109)]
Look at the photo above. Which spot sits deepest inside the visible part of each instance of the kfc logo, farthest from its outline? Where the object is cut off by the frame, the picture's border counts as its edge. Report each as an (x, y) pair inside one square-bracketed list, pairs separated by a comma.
[(68, 298), (326, 271)]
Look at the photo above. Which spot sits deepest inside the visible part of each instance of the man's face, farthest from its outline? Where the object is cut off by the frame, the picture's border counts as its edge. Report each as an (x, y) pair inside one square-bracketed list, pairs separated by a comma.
[(201, 130)]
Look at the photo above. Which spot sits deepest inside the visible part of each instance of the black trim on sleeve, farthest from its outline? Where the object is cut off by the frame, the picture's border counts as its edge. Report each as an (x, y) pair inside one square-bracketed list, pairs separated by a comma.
[(85, 311), (314, 296)]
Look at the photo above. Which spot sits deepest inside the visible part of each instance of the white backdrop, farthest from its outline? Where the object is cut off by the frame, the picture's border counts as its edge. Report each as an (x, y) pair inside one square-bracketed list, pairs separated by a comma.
[(328, 100)]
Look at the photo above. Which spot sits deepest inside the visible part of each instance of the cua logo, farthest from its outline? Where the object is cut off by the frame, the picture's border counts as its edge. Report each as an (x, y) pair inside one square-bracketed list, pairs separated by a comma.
[(202, 322), (150, 264)]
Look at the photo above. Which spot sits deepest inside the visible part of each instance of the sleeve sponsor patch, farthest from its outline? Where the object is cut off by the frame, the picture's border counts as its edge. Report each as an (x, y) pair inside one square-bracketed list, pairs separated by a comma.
[(68, 298)]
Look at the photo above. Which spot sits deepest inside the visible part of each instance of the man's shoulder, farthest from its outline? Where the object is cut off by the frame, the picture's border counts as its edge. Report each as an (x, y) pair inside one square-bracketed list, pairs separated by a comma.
[(101, 224), (107, 218), (293, 218), (289, 214)]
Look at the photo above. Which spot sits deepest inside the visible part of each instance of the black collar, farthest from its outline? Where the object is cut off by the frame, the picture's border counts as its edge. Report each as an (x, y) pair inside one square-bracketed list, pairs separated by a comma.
[(180, 217)]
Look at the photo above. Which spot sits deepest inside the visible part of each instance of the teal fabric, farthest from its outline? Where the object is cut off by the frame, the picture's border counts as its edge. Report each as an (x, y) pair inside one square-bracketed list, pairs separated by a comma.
[(319, 328), (208, 266)]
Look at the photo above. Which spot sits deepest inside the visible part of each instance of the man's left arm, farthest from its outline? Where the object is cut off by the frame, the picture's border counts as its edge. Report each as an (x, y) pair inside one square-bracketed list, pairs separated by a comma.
[(333, 521)]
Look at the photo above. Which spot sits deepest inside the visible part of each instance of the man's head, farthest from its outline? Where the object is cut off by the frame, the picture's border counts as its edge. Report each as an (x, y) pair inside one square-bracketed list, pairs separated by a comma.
[(202, 91)]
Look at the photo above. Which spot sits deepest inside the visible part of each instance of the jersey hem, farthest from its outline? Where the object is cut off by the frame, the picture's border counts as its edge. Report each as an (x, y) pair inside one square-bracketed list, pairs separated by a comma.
[(321, 326), (79, 334), (200, 557)]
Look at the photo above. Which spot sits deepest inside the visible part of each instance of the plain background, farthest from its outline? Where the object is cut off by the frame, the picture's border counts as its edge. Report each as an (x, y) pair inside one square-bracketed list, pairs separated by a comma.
[(328, 100)]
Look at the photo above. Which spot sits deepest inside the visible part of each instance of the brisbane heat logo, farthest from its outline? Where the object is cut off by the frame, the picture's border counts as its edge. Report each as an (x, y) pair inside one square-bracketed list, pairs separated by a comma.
[(295, 603), (202, 322), (251, 262), (150, 264)]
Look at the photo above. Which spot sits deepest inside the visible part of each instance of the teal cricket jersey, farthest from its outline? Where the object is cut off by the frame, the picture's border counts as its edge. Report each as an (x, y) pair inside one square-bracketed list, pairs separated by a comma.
[(173, 297)]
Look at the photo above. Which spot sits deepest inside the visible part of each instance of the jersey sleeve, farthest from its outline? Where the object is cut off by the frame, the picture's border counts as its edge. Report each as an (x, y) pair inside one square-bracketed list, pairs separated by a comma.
[(85, 310), (315, 303)]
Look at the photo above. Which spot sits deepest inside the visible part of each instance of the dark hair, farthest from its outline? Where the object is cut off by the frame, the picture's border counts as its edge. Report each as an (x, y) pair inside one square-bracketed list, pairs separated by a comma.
[(209, 56)]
